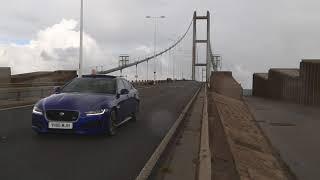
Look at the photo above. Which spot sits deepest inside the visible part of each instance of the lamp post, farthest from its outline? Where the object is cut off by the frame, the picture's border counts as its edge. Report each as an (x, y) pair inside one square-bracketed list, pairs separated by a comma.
[(171, 57), (155, 18), (81, 41)]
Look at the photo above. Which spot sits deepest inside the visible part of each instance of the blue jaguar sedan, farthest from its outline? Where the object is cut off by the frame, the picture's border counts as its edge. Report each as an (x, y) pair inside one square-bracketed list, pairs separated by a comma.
[(91, 104)]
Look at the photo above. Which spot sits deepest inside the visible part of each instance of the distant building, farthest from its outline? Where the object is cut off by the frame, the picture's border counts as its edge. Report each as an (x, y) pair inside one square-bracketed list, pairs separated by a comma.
[(297, 85)]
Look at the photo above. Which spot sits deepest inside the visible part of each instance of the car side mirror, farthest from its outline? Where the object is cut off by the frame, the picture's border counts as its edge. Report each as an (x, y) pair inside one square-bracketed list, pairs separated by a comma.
[(124, 91), (57, 89)]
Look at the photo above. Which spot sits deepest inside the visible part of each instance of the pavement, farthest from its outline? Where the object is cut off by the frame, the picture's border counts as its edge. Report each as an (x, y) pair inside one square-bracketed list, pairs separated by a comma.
[(254, 158), (240, 150), (26, 155), (293, 130), (181, 159)]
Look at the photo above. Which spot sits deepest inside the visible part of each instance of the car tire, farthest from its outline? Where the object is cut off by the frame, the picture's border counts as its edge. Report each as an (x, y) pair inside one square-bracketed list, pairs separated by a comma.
[(112, 128), (134, 117)]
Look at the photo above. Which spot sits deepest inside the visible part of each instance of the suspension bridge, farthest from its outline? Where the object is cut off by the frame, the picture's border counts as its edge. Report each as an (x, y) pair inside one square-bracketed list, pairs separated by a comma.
[(184, 130), (212, 62)]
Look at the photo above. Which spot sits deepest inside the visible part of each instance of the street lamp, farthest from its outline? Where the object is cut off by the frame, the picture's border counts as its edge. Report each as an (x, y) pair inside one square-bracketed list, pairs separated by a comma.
[(171, 57), (81, 40), (155, 18)]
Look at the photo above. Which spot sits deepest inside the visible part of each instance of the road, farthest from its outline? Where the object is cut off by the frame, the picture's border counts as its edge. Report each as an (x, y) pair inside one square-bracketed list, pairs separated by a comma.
[(26, 155)]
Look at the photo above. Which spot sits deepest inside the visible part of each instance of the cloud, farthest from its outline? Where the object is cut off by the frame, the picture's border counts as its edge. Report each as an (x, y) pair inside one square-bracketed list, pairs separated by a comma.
[(56, 47), (253, 35), (242, 75)]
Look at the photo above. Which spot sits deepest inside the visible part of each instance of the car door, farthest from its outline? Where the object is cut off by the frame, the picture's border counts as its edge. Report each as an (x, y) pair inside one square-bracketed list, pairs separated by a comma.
[(130, 101), (122, 101), (133, 100)]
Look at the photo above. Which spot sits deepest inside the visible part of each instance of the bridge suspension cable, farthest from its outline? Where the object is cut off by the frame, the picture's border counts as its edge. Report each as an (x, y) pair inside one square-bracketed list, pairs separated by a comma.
[(149, 57)]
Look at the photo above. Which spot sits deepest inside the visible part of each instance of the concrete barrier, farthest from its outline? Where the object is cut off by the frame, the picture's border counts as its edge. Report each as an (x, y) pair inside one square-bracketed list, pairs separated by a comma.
[(260, 81), (204, 168)]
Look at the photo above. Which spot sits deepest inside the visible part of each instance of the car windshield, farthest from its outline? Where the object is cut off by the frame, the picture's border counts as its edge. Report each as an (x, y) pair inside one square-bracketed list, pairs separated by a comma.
[(91, 85)]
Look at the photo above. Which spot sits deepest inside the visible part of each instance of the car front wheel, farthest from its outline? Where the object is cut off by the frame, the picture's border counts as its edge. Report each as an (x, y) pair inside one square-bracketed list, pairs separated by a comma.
[(112, 123)]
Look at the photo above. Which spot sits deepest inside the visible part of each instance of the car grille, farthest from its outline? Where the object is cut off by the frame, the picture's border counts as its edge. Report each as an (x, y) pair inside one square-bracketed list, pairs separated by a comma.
[(62, 115)]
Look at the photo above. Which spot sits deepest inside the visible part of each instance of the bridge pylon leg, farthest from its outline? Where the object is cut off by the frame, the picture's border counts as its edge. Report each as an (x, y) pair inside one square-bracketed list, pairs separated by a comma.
[(194, 46), (196, 41)]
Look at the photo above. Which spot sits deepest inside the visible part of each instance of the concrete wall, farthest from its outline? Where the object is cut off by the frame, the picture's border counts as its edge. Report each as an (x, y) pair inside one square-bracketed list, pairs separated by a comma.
[(310, 75), (301, 86), (291, 89), (280, 83), (275, 81), (223, 82), (260, 81), (5, 75)]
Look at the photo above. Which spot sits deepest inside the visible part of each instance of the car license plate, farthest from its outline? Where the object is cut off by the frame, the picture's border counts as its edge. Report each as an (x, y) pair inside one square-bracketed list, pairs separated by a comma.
[(60, 125)]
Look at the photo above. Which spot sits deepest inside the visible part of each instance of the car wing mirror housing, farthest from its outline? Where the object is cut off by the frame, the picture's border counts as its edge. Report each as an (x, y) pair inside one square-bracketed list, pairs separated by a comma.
[(57, 89), (124, 91)]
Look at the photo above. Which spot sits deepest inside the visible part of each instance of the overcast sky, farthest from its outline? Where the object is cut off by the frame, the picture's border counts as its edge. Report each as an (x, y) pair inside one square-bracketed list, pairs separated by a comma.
[(252, 36)]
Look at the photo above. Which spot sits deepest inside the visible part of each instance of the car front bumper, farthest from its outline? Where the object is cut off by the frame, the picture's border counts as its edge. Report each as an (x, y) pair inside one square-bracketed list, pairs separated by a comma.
[(84, 125)]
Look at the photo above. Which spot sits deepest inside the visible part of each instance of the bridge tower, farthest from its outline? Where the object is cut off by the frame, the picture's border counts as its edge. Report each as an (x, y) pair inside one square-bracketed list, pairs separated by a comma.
[(195, 41)]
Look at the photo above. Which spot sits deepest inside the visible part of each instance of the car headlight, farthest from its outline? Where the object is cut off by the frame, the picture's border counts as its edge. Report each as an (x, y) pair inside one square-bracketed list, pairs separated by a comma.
[(96, 112), (37, 110)]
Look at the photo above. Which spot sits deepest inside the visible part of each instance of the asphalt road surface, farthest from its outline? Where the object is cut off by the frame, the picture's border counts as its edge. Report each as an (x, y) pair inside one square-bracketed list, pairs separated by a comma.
[(26, 155)]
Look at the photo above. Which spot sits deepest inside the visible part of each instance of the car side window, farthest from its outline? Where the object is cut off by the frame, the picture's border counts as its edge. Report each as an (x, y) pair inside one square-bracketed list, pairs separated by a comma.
[(130, 85), (120, 85), (127, 84)]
